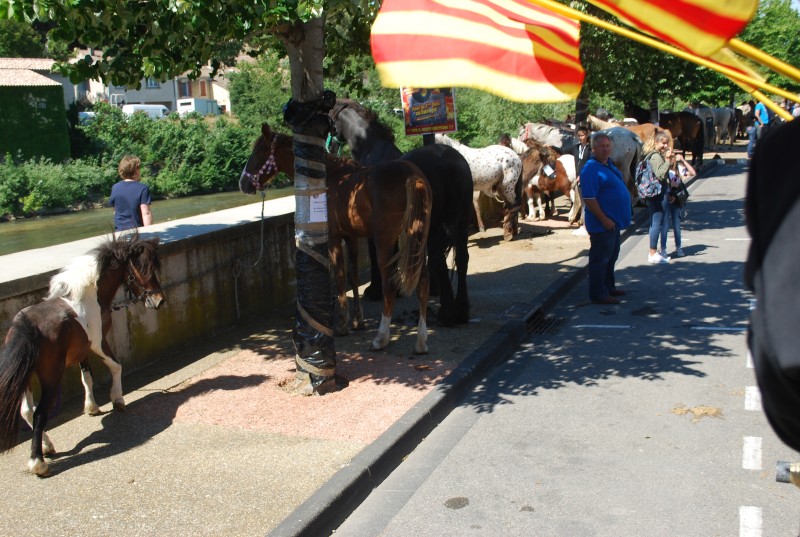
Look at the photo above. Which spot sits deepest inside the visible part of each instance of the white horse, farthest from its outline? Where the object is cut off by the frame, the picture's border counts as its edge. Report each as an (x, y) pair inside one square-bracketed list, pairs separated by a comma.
[(495, 172), (626, 150), (725, 125), (706, 115), (556, 138)]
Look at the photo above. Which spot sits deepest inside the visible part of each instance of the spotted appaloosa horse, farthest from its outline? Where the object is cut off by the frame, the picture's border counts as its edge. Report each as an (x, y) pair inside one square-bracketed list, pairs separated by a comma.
[(496, 170), (73, 320)]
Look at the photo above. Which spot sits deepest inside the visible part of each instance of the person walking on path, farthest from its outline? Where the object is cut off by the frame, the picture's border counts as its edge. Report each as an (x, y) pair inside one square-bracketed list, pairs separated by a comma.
[(680, 171), (657, 149), (130, 198), (762, 121), (608, 205)]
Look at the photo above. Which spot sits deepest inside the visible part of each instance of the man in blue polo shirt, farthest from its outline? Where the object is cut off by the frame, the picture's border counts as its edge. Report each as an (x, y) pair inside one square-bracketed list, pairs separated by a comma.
[(608, 205)]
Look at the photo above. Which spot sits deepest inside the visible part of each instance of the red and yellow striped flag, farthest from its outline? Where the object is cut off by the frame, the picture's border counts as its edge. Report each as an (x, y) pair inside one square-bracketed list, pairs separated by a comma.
[(507, 47), (699, 26)]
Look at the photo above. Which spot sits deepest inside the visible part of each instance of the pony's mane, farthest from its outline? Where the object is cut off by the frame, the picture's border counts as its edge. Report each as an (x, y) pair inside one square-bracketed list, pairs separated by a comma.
[(379, 128), (73, 280), (84, 271)]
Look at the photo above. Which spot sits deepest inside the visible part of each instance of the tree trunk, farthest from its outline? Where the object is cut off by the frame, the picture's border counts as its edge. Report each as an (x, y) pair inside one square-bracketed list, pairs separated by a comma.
[(315, 353), (582, 106)]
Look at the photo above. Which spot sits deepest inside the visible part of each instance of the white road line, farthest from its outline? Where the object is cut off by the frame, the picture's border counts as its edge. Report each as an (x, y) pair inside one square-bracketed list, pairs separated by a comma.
[(751, 453), (749, 521), (721, 328), (618, 326), (752, 398)]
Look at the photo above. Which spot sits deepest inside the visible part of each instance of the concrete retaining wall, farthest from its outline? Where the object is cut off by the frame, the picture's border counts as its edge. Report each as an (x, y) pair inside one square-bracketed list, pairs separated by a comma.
[(213, 270)]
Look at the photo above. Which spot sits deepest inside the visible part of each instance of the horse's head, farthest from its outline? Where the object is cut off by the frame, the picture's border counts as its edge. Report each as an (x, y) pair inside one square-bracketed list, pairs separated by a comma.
[(141, 268), (261, 167)]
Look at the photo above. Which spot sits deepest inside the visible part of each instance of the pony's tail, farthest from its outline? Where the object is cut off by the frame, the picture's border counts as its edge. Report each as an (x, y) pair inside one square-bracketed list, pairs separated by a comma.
[(17, 361), (413, 240)]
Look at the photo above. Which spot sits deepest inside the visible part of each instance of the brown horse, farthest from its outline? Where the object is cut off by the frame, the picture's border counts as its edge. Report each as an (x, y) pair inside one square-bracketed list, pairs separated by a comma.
[(685, 127), (390, 202), (74, 319)]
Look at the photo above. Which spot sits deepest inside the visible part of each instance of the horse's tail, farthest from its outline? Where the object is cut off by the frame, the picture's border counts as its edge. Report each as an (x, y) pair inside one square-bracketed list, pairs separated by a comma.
[(411, 256), (17, 361)]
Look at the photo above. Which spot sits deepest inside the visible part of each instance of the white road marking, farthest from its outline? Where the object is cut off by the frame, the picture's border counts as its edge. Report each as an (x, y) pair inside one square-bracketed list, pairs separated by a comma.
[(751, 453), (752, 398), (721, 328), (618, 326), (749, 521)]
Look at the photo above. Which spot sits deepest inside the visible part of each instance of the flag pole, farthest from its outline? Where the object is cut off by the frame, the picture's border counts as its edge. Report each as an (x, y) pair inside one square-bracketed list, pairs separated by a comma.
[(736, 76), (769, 103), (759, 56)]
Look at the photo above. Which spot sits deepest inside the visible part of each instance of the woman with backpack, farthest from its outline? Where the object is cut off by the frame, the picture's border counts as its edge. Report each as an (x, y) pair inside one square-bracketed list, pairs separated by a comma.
[(675, 207), (658, 152)]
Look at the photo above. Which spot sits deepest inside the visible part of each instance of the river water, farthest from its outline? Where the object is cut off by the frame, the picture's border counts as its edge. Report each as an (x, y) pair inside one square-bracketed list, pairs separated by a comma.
[(30, 233)]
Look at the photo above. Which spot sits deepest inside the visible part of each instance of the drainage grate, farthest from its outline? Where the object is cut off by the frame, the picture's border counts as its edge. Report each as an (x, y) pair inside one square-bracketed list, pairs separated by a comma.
[(542, 324)]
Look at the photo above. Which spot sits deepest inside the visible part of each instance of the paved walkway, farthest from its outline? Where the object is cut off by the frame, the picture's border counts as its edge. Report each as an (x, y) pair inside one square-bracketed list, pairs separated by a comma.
[(213, 444)]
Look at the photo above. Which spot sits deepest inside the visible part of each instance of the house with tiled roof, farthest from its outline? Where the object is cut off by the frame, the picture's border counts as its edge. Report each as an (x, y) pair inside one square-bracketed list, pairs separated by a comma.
[(33, 118), (153, 91)]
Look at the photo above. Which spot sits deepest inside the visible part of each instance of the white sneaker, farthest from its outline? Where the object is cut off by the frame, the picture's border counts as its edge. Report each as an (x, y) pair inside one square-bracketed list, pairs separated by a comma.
[(663, 254), (679, 252), (657, 259)]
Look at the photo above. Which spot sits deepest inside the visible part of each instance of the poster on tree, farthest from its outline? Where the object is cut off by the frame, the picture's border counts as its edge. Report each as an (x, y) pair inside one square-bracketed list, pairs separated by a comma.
[(428, 110)]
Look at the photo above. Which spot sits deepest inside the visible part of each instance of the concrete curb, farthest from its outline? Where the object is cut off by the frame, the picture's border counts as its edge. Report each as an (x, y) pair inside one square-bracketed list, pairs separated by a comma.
[(330, 506)]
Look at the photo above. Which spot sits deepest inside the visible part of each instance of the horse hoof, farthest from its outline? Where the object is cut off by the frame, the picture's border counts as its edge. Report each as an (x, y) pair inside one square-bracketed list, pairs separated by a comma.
[(48, 449), (92, 410), (482, 229), (119, 405), (38, 467), (421, 350)]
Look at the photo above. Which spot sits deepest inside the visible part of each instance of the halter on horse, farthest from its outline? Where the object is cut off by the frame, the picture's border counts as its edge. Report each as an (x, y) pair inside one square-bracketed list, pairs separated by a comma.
[(60, 331)]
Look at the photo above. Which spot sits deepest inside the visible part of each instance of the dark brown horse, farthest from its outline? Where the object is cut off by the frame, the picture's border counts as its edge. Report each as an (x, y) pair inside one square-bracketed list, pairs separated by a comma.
[(390, 202), (685, 127), (450, 178), (74, 319)]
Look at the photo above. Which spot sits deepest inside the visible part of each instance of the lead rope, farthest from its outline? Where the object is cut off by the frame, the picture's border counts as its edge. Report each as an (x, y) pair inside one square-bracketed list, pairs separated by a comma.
[(237, 265)]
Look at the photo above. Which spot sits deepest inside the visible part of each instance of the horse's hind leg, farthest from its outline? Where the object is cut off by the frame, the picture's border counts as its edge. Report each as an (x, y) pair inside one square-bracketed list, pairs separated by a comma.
[(89, 405), (475, 197), (26, 410), (36, 464), (421, 346), (352, 274)]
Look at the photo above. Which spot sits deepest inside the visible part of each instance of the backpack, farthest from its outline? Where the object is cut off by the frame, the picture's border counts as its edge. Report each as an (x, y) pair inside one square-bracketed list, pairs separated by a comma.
[(647, 184)]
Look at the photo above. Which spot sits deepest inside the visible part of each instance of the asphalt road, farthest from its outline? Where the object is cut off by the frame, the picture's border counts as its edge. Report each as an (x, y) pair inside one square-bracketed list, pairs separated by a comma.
[(629, 420)]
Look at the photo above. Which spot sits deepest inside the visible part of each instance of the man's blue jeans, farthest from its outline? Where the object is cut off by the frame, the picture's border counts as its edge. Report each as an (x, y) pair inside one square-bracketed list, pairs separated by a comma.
[(603, 254), (751, 144)]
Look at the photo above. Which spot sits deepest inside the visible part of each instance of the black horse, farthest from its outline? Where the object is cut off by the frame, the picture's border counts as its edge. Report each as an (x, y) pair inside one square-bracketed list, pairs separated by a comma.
[(450, 179), (685, 127)]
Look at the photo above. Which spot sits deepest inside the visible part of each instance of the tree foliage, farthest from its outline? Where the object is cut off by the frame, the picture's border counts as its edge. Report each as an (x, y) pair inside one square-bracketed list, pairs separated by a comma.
[(776, 30), (19, 40)]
